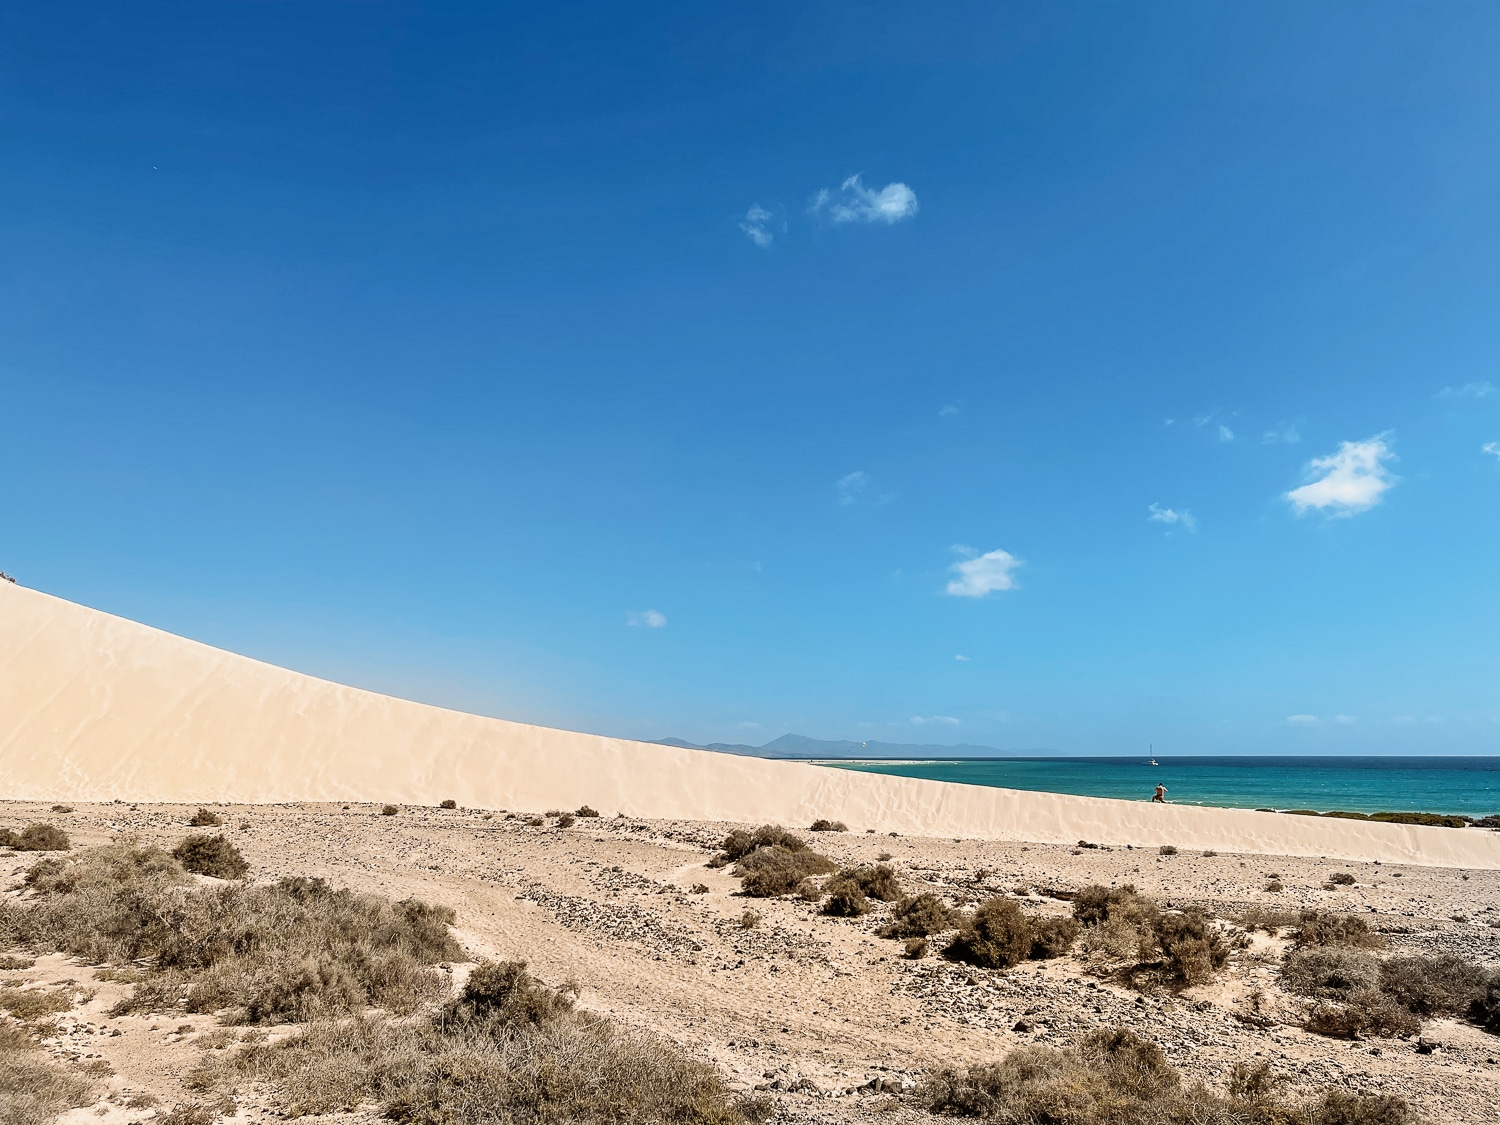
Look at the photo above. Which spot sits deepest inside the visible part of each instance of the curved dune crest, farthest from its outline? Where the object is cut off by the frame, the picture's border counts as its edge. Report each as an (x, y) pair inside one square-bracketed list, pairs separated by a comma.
[(94, 707)]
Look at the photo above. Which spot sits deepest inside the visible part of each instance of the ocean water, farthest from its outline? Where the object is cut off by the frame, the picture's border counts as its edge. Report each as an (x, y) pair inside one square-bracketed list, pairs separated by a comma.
[(1385, 784)]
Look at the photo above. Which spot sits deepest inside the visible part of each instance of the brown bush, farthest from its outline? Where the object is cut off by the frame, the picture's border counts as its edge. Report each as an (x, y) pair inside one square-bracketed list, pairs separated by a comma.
[(1366, 1012), (449, 803), (389, 810), (771, 871), (509, 1049), (205, 818), (567, 820), (996, 936), (1191, 946), (1444, 985), (821, 825), (740, 843), (1119, 924), (1113, 1077), (922, 916), (1337, 929), (586, 812), (1341, 879), (1052, 937), (1333, 973), (846, 898), (1167, 849), (914, 949), (290, 951), (1485, 1011), (211, 855), (36, 838)]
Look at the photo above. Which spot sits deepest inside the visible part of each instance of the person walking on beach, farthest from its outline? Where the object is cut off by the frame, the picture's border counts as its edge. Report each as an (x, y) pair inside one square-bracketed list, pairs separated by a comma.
[(1160, 794)]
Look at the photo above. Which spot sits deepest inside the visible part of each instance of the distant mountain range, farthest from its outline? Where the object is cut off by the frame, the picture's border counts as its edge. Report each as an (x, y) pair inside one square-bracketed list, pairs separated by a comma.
[(800, 746)]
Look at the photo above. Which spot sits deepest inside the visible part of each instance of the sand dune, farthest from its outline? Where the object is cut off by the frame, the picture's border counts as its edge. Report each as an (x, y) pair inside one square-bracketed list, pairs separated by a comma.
[(95, 707)]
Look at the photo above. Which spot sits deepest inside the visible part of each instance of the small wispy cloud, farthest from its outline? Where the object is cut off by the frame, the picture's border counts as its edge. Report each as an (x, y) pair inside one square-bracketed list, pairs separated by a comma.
[(1222, 432), (1470, 390), (757, 226), (978, 576), (855, 203), (924, 720), (1302, 721), (1283, 433), (950, 409), (1345, 720), (960, 656), (1172, 517), (1348, 481), (852, 486), (1226, 435), (646, 619), (1491, 447)]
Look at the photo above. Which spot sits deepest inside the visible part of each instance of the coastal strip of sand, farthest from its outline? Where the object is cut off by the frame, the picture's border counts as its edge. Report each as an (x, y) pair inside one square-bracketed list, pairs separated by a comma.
[(94, 707)]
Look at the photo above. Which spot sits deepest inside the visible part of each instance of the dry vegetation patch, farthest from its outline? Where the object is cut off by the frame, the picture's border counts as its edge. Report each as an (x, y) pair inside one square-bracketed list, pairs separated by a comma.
[(36, 838), (34, 1090)]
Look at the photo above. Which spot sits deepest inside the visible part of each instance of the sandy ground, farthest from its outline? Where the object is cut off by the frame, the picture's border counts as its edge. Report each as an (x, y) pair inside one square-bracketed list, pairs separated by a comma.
[(813, 1009)]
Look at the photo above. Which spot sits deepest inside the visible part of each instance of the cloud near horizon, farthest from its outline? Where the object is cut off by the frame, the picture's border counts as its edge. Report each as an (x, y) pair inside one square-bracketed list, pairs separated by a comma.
[(856, 203), (979, 575), (646, 618), (923, 720), (1491, 447), (1353, 479), (1482, 389)]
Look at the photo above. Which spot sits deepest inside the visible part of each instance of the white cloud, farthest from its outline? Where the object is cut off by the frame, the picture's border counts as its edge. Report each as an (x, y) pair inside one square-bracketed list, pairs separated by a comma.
[(1283, 433), (1172, 517), (646, 618), (960, 656), (1470, 390), (856, 203), (1350, 480), (1491, 447), (949, 409), (1226, 435), (757, 226), (1301, 720), (923, 720), (1345, 720), (852, 487), (980, 575)]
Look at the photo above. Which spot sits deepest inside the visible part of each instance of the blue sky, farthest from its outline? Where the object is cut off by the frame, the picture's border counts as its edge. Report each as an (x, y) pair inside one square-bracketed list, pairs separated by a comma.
[(1040, 376)]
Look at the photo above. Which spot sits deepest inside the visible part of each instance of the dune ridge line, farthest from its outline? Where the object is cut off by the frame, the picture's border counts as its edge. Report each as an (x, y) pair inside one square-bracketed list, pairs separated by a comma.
[(94, 707)]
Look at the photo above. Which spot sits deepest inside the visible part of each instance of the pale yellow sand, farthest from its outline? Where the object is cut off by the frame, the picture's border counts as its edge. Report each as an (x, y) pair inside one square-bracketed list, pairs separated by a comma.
[(94, 707)]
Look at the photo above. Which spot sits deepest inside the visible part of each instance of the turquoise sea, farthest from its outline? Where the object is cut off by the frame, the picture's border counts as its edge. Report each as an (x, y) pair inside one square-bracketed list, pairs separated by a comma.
[(1386, 784)]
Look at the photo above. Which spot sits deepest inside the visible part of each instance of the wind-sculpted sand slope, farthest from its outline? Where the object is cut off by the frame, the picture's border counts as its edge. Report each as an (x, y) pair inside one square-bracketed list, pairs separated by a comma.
[(95, 707)]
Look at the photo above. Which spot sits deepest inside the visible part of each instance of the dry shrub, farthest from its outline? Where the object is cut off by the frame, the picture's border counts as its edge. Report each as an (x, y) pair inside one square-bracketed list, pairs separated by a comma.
[(33, 1089), (205, 818), (9, 963), (389, 810), (1337, 929), (1330, 973), (36, 838), (1266, 918), (821, 825), (1367, 1012), (508, 1049), (1114, 1077), (1485, 1011), (586, 812), (567, 820), (1444, 985), (914, 949), (449, 803), (771, 871), (1167, 849), (1191, 946), (996, 936), (1341, 879), (211, 855), (740, 843), (294, 950), (534, 822), (846, 898), (30, 1004), (1052, 937), (1119, 924), (920, 916), (749, 920)]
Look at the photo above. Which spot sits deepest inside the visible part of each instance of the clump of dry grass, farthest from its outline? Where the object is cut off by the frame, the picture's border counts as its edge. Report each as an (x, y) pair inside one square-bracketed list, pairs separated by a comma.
[(205, 818), (1337, 929), (31, 1004), (509, 1048), (1118, 923), (34, 1090), (919, 917), (448, 803), (1192, 948), (821, 825), (1358, 993), (586, 812), (295, 950), (36, 838), (740, 843), (770, 871), (1114, 1077), (1052, 937), (210, 855), (849, 892)]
